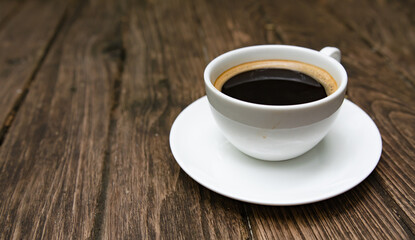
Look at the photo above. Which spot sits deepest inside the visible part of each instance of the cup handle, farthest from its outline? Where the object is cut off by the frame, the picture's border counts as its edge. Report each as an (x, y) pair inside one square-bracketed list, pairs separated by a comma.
[(332, 52)]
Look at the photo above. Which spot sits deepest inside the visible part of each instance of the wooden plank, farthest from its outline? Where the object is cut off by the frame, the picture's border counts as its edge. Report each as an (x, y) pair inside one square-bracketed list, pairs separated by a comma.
[(385, 26), (229, 34), (8, 9), (52, 158), (24, 39), (348, 216), (148, 195), (370, 87), (382, 92)]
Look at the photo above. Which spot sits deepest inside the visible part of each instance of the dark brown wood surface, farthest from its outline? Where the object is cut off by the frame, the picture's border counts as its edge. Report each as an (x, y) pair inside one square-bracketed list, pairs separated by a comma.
[(90, 89)]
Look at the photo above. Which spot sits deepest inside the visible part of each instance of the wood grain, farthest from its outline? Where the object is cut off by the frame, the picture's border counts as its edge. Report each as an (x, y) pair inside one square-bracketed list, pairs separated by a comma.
[(293, 29), (24, 40), (372, 81), (216, 39), (52, 157), (8, 9), (90, 89), (148, 195), (384, 26)]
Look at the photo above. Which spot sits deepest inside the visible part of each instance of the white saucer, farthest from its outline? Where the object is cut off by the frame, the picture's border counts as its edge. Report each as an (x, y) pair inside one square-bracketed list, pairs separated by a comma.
[(345, 157)]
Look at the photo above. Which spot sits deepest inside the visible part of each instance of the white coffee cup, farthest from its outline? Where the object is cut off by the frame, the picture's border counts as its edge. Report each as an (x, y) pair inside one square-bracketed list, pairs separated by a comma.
[(275, 132)]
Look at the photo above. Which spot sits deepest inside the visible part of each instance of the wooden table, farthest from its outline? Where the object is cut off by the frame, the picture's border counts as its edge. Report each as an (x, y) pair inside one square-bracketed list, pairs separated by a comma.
[(89, 91)]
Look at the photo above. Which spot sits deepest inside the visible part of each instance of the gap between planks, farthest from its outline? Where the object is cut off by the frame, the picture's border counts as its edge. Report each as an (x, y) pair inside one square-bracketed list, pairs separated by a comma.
[(389, 201), (26, 88), (204, 49), (96, 231)]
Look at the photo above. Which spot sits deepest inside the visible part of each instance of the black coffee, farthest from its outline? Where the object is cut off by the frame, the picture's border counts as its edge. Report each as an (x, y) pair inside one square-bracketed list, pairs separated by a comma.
[(273, 86), (276, 82)]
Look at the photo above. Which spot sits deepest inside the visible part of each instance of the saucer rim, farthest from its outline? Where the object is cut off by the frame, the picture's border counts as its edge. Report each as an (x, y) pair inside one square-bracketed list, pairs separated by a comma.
[(322, 197)]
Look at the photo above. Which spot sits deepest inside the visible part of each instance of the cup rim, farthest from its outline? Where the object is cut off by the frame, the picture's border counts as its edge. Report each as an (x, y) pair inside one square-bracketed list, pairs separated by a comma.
[(341, 88)]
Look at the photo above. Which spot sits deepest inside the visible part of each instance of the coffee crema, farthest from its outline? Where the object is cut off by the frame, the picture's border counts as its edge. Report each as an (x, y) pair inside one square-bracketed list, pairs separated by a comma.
[(276, 82)]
